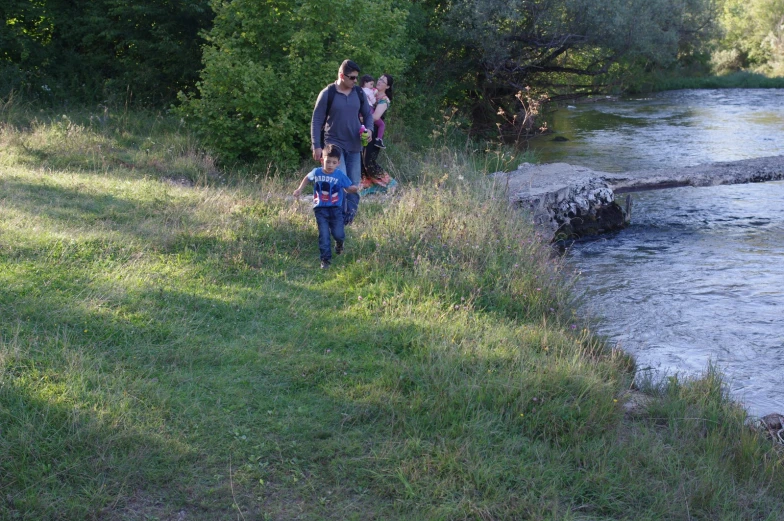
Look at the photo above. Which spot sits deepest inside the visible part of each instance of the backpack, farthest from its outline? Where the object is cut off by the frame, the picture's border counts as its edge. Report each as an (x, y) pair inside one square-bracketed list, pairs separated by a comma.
[(331, 90)]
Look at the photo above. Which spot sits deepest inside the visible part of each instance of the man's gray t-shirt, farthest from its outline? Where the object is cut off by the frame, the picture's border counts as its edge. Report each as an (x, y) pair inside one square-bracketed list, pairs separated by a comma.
[(342, 122)]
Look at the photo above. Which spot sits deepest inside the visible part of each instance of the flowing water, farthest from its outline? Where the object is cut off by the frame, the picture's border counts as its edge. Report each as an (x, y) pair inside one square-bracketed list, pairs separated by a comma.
[(699, 274)]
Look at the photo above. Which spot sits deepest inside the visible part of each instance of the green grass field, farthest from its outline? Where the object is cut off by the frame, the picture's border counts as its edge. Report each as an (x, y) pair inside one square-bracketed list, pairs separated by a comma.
[(169, 350)]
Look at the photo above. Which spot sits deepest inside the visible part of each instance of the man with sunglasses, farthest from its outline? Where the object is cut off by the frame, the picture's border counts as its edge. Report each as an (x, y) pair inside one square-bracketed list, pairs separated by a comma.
[(336, 121)]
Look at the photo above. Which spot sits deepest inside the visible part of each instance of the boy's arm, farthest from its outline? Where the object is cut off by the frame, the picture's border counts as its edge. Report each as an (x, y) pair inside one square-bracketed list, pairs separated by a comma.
[(348, 187), (302, 185)]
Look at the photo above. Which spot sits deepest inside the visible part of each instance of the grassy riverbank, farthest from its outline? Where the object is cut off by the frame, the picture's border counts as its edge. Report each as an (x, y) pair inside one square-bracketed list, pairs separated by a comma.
[(169, 349), (736, 80)]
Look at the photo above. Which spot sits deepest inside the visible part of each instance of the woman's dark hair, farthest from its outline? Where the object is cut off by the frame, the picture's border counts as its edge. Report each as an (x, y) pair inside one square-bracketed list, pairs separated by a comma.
[(390, 82), (366, 78), (331, 151)]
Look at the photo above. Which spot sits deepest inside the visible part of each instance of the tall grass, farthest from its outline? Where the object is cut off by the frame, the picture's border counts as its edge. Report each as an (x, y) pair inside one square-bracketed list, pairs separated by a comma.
[(169, 349)]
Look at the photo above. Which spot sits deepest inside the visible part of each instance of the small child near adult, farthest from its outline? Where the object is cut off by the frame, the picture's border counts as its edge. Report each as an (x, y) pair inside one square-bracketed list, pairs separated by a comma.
[(368, 84), (368, 87), (329, 183)]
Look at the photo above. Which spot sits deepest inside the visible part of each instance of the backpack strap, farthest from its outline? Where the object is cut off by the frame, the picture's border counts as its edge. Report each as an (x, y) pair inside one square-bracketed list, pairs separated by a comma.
[(330, 98)]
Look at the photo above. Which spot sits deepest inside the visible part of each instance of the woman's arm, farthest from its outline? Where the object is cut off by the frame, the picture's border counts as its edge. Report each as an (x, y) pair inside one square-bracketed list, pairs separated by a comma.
[(380, 109)]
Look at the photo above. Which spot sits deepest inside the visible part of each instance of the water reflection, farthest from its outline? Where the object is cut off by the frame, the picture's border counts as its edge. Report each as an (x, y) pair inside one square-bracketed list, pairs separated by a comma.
[(699, 275)]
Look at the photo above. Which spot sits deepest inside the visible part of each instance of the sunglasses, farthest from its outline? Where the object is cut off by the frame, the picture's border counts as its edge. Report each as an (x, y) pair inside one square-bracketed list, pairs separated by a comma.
[(352, 78)]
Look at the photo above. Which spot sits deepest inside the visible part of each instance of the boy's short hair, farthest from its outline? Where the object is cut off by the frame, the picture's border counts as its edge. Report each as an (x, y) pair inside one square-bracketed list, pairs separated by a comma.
[(348, 67), (331, 150), (366, 78)]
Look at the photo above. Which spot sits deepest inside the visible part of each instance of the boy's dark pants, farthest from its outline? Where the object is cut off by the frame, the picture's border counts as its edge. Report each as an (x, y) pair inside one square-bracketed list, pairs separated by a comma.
[(329, 219)]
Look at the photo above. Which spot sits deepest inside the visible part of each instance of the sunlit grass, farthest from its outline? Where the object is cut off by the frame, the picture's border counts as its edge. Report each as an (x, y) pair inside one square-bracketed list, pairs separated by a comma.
[(169, 349)]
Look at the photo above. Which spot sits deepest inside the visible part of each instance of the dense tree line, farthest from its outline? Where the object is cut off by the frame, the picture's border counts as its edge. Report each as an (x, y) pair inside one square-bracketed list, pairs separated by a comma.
[(247, 71), (751, 36), (100, 50), (265, 62)]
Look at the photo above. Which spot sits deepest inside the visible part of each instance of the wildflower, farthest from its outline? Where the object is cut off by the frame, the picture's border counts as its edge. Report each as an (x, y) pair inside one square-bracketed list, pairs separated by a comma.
[(574, 326)]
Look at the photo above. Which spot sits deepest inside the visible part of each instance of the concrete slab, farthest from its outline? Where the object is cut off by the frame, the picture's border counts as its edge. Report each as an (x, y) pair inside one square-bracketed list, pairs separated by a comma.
[(573, 201)]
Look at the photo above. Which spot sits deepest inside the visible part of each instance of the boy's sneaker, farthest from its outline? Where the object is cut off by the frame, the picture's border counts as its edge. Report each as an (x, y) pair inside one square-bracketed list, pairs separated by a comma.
[(324, 264), (338, 247), (379, 142)]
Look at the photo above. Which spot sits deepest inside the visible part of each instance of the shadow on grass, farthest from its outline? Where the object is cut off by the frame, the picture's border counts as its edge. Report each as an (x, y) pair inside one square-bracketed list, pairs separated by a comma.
[(70, 205), (122, 398), (273, 389), (237, 345), (200, 372), (59, 460)]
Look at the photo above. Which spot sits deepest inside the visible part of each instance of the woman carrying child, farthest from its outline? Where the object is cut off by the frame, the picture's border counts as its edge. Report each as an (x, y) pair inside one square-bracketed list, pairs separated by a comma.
[(374, 178)]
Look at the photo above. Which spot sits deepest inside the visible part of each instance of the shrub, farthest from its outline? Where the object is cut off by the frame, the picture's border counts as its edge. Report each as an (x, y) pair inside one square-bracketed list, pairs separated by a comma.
[(726, 62), (267, 61)]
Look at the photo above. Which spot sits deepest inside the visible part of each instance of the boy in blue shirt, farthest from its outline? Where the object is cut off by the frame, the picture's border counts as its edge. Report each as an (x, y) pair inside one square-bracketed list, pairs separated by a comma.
[(328, 186)]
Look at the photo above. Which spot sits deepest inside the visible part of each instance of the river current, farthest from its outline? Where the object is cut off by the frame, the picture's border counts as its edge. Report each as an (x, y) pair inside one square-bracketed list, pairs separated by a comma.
[(698, 276)]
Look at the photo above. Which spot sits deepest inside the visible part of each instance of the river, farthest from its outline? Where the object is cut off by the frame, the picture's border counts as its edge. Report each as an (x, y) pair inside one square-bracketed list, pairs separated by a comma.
[(698, 276)]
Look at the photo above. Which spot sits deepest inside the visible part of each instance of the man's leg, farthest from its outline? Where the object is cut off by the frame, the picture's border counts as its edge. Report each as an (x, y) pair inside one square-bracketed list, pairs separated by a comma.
[(351, 164), (322, 220)]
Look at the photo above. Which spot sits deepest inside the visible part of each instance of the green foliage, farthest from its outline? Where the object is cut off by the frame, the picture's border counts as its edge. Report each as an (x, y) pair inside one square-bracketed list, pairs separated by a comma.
[(727, 61), (494, 49), (267, 61), (754, 31), (24, 31), (58, 50)]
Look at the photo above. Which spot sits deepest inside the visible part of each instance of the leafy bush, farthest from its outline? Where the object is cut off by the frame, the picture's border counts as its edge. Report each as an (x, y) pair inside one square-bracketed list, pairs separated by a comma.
[(266, 63), (726, 62), (147, 50)]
